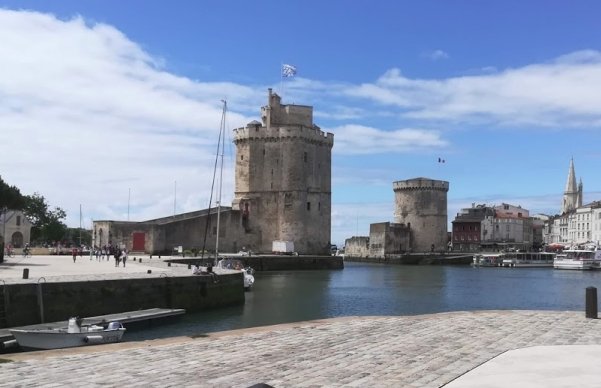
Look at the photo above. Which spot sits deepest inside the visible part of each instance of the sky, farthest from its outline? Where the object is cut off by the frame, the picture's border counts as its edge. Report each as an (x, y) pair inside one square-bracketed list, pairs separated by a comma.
[(115, 106)]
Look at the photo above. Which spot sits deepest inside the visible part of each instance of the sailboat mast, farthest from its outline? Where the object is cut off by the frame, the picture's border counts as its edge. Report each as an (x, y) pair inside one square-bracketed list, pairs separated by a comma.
[(222, 145), (80, 225)]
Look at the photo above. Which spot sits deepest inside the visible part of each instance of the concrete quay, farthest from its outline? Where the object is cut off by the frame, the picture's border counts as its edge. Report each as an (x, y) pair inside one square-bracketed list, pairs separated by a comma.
[(457, 349), (58, 288)]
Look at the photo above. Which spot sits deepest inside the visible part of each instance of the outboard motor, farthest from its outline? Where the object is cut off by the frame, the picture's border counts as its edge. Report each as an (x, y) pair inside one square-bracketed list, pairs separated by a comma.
[(114, 326), (73, 326)]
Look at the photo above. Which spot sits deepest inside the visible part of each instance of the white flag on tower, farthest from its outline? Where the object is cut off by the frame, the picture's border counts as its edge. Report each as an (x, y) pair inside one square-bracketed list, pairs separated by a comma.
[(288, 70)]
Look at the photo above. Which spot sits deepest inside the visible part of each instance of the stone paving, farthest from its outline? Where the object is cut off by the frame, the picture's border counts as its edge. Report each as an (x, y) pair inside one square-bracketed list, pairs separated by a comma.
[(61, 268), (404, 351)]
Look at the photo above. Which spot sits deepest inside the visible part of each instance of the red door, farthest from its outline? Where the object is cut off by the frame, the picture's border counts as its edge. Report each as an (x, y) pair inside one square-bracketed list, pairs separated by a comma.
[(138, 242)]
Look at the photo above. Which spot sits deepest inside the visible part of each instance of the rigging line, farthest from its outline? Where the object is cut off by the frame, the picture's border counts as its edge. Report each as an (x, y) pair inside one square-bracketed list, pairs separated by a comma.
[(208, 223), (222, 129)]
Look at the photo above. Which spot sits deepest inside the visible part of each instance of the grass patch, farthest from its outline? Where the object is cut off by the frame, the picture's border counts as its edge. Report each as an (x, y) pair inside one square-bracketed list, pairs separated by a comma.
[(200, 335), (3, 360)]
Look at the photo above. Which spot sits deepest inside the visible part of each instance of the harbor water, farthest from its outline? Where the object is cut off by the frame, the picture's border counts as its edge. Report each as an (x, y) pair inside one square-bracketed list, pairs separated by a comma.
[(364, 289)]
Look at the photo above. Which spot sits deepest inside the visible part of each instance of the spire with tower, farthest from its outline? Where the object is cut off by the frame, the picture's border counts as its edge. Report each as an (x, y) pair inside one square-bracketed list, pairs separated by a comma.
[(572, 195)]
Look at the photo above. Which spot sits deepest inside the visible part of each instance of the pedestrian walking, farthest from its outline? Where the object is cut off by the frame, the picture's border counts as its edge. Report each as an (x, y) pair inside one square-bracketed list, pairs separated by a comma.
[(117, 257), (74, 252), (124, 256)]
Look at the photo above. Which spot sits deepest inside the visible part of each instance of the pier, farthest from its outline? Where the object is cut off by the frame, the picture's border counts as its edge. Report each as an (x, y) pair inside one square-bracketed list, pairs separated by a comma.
[(41, 289), (416, 259)]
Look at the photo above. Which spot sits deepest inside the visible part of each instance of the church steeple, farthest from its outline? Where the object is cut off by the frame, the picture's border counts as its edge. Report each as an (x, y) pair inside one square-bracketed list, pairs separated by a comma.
[(572, 196)]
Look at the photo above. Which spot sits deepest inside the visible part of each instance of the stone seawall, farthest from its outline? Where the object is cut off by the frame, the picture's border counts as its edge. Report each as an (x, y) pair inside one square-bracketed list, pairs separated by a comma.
[(26, 303), (415, 259), (276, 262)]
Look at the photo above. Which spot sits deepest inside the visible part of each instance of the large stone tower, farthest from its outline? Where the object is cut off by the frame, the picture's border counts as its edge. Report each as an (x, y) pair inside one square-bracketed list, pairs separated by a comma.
[(572, 195), (421, 204), (283, 178)]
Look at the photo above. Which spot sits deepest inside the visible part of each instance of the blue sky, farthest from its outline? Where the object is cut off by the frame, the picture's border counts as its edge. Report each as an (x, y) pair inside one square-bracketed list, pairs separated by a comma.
[(102, 98)]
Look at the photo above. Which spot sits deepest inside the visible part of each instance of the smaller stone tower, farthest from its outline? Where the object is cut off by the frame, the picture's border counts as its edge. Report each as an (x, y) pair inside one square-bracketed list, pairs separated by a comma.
[(421, 204)]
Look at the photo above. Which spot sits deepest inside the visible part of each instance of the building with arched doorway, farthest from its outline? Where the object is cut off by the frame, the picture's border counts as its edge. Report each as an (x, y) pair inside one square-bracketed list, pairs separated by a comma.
[(16, 227)]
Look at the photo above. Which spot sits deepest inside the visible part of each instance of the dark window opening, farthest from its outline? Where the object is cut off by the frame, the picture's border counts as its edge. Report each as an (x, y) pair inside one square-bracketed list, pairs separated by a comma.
[(308, 205)]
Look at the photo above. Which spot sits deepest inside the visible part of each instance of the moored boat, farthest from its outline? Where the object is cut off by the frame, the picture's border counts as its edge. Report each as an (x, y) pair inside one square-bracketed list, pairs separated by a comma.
[(530, 259), (488, 259), (74, 335), (579, 259), (238, 265)]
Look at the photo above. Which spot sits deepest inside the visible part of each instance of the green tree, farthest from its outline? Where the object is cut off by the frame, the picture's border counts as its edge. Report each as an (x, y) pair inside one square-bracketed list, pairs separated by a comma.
[(10, 197), (47, 224), (73, 234)]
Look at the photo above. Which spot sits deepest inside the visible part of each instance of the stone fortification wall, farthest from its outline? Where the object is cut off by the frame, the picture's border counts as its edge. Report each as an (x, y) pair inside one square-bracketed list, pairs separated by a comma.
[(283, 178), (188, 232), (387, 238), (356, 246), (63, 300), (421, 204)]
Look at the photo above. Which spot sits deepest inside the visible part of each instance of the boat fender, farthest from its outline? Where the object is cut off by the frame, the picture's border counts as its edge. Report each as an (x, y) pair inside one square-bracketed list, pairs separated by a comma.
[(92, 339), (8, 344)]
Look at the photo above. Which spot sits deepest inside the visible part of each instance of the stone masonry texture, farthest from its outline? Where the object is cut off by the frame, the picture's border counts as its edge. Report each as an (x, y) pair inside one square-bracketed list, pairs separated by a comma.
[(402, 351)]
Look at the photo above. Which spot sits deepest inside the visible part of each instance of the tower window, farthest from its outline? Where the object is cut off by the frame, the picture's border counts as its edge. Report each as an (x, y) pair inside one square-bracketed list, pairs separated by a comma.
[(241, 157), (18, 220), (305, 157), (263, 151), (308, 205), (318, 205)]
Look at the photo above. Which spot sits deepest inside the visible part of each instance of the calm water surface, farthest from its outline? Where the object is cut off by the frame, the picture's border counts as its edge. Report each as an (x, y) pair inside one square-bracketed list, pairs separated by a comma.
[(373, 289)]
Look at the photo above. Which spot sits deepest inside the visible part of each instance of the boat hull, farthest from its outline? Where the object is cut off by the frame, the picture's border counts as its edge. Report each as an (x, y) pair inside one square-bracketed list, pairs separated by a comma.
[(573, 264), (52, 339)]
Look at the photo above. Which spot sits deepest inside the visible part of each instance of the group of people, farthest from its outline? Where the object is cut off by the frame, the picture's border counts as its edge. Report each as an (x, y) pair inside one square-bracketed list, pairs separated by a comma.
[(120, 254)]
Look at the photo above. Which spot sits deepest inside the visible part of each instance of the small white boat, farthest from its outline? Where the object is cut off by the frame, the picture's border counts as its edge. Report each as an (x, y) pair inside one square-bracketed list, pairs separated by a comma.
[(579, 259), (488, 259), (530, 259), (75, 334), (238, 265)]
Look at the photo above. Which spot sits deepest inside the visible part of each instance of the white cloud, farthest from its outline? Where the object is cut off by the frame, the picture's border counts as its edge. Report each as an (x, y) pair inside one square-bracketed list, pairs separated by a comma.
[(436, 55), (360, 140), (560, 93), (86, 114)]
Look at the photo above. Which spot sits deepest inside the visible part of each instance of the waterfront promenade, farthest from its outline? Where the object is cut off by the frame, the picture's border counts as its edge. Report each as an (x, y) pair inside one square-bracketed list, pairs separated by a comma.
[(457, 349), (62, 268), (407, 351)]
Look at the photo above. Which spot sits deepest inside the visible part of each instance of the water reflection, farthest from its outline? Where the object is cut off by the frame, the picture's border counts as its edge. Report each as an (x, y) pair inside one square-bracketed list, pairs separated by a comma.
[(371, 289)]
